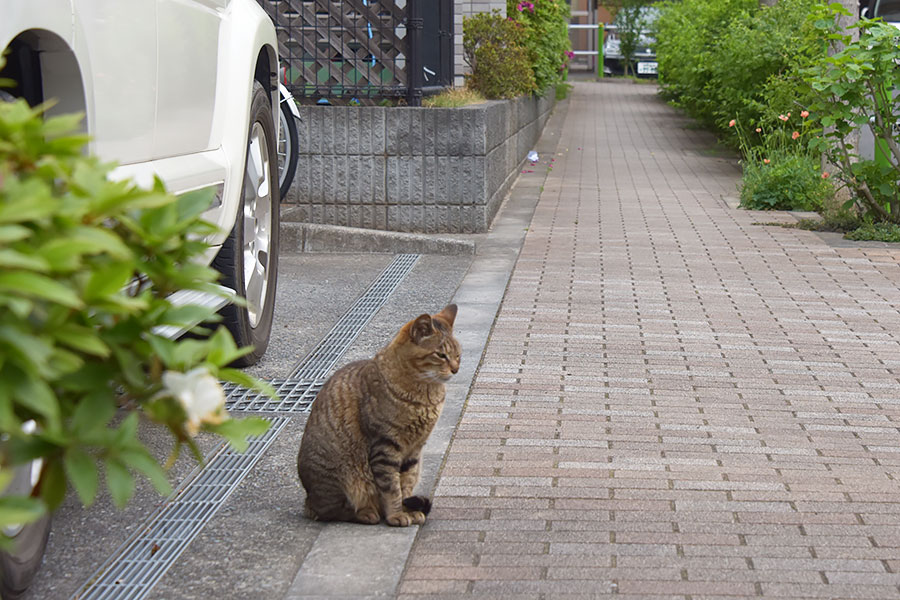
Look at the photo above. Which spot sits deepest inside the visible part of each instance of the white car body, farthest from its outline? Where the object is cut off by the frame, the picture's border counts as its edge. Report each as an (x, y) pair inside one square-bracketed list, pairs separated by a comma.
[(165, 85)]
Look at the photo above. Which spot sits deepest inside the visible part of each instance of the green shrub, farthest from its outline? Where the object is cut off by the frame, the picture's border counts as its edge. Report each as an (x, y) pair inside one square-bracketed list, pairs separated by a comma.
[(788, 181), (499, 63), (726, 59), (546, 26), (686, 34), (86, 265), (854, 89), (875, 232)]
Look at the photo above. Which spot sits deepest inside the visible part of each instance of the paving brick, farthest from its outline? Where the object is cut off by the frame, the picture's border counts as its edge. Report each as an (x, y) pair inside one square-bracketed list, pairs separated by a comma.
[(674, 402)]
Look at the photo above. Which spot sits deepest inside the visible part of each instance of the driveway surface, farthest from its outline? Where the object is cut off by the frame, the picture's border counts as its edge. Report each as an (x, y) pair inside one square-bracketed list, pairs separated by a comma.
[(659, 399)]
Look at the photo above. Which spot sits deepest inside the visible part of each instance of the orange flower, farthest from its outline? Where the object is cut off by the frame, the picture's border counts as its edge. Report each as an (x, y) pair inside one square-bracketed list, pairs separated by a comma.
[(766, 161), (825, 175), (795, 135), (731, 123), (759, 130), (804, 113), (784, 118)]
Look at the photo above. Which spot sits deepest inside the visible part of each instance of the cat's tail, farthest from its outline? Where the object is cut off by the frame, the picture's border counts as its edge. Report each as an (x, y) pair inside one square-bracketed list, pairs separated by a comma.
[(420, 503)]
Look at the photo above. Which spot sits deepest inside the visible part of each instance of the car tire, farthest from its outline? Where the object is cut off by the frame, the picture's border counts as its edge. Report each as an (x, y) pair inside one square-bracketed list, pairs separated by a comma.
[(248, 260), (19, 565), (288, 141)]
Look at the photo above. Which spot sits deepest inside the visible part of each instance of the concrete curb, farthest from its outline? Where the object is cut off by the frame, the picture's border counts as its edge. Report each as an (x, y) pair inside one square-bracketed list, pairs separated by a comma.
[(313, 237)]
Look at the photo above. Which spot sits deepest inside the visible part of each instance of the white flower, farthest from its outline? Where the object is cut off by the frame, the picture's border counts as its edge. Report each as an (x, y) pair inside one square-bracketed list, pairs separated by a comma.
[(199, 393)]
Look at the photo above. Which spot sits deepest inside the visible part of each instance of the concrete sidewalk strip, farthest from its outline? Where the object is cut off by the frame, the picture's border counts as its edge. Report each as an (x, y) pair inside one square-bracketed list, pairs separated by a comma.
[(674, 401)]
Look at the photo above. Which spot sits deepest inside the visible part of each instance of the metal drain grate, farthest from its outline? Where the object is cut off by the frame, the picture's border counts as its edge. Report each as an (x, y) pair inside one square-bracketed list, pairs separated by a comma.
[(297, 392), (318, 364), (295, 395), (140, 562)]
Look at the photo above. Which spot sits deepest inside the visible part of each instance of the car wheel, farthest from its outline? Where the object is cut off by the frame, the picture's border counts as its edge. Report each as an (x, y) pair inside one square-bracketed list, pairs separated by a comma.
[(248, 260), (20, 563), (288, 140)]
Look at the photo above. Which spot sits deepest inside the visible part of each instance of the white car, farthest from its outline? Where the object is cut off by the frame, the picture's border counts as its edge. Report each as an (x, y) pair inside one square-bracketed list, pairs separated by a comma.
[(186, 90)]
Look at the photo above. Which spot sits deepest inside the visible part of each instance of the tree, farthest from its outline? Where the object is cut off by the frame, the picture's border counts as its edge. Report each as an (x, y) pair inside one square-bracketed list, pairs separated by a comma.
[(631, 19)]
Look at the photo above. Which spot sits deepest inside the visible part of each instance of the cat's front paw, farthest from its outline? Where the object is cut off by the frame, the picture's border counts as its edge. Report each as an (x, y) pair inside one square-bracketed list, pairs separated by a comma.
[(405, 519), (368, 516)]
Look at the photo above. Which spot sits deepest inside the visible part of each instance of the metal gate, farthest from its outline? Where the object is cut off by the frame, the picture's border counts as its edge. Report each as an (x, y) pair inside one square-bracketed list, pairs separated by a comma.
[(364, 48)]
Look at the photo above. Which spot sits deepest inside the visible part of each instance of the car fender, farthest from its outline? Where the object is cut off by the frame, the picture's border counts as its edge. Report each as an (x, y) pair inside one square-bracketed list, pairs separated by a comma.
[(246, 32), (55, 16)]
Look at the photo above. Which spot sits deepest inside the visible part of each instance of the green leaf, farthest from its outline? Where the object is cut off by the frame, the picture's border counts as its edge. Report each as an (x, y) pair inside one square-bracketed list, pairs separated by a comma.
[(13, 233), (119, 481), (85, 339), (223, 349), (11, 259), (93, 412), (27, 201), (236, 431), (62, 124), (140, 460), (108, 281), (248, 381), (37, 396), (39, 286), (129, 365), (195, 203), (97, 240), (126, 434), (82, 472), (33, 351), (19, 510), (164, 348), (53, 484), (187, 315)]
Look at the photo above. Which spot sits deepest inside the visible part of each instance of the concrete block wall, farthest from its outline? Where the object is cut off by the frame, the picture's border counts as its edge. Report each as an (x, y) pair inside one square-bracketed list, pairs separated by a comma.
[(425, 170)]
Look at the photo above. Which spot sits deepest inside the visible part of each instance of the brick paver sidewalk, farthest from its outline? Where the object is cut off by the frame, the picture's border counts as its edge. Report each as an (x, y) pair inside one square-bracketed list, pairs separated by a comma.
[(675, 402)]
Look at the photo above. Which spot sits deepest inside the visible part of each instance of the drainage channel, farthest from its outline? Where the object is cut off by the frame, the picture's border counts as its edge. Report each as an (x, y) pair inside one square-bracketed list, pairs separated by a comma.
[(143, 559), (296, 393), (137, 565)]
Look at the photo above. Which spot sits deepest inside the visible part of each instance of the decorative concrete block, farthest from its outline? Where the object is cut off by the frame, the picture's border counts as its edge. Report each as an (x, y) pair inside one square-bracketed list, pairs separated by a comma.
[(413, 169)]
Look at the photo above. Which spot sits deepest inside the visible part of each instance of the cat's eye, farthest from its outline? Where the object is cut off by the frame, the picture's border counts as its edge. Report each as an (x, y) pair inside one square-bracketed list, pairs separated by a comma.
[(442, 356)]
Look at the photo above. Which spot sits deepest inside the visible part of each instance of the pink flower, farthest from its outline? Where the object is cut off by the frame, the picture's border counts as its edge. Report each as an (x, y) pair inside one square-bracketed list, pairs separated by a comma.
[(766, 161), (525, 4), (795, 135), (732, 123), (758, 130), (825, 175), (804, 113), (784, 118)]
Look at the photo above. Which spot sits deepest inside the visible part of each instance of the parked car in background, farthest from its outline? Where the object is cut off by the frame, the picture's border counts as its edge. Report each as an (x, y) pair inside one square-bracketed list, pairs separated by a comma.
[(889, 10), (183, 90), (643, 60)]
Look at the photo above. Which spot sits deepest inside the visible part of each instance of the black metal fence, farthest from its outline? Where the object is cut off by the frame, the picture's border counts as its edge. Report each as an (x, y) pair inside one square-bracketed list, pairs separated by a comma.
[(364, 49)]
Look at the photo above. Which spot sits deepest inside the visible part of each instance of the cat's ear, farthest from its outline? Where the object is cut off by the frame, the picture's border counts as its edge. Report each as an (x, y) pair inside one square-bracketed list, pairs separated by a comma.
[(421, 328), (448, 314)]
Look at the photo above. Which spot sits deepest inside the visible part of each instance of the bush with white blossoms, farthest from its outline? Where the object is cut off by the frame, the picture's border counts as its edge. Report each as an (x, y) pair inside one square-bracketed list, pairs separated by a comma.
[(86, 266)]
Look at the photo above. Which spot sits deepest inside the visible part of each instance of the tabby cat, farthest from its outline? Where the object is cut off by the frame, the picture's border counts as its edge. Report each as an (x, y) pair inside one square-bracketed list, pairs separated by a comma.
[(360, 452)]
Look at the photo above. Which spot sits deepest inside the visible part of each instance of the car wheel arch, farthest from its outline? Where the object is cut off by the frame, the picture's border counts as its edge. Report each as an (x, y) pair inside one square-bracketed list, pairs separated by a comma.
[(36, 59)]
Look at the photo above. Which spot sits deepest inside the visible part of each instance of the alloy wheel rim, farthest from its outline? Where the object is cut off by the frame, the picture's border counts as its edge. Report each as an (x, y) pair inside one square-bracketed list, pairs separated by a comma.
[(257, 222)]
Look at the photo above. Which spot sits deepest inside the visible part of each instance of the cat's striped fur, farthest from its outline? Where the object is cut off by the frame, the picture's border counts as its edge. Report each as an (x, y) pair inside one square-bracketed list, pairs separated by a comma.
[(360, 455)]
